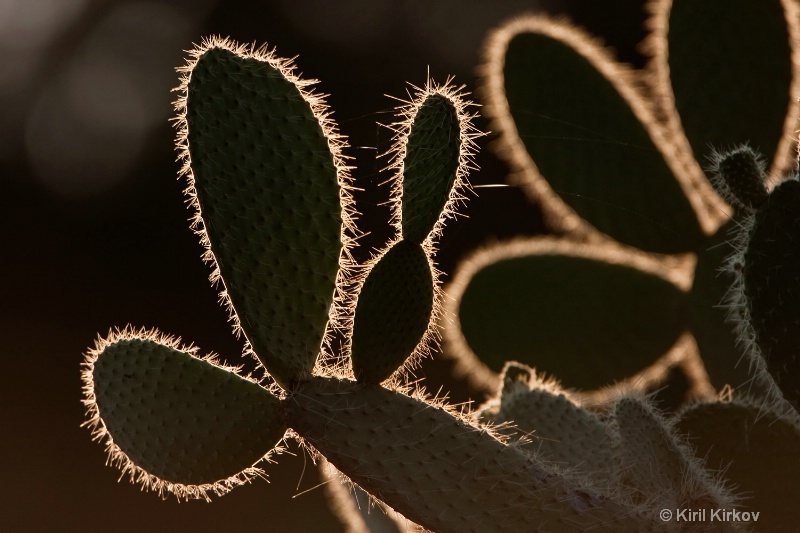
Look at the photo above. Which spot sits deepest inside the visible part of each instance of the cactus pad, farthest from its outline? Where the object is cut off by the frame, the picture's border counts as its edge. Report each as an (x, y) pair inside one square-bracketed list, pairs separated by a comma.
[(174, 421), (508, 490), (546, 303), (657, 465), (430, 165), (432, 154), (772, 285), (265, 175), (393, 312), (740, 176), (582, 141), (555, 426)]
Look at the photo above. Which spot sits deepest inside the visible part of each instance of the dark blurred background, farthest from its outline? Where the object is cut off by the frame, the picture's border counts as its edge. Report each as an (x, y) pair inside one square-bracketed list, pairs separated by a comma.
[(93, 222)]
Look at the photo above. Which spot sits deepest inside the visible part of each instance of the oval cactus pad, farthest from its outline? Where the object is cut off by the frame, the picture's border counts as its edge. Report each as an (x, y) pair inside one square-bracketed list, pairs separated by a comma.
[(432, 154), (393, 312), (173, 421), (583, 140), (265, 173), (430, 165), (568, 310)]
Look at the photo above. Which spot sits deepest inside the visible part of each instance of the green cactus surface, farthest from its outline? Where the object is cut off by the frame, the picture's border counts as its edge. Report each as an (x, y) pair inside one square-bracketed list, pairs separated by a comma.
[(586, 112), (267, 199), (399, 301), (507, 489), (546, 308), (628, 448), (177, 422), (430, 165), (760, 71), (393, 312)]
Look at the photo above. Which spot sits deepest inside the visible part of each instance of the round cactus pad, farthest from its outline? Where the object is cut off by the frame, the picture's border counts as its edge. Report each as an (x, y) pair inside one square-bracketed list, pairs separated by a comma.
[(584, 138)]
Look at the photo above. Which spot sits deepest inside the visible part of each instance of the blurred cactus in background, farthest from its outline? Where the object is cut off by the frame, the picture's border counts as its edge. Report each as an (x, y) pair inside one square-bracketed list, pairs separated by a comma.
[(610, 153), (629, 290)]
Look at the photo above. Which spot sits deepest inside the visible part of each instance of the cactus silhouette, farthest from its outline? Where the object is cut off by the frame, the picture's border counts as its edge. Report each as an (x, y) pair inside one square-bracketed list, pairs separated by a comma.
[(270, 191), (610, 155), (163, 412), (765, 263)]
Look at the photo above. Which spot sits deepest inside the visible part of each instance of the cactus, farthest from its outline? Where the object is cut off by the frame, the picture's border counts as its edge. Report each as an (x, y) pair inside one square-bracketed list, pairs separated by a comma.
[(771, 281), (270, 191), (765, 263), (755, 439), (745, 435), (610, 154), (161, 422)]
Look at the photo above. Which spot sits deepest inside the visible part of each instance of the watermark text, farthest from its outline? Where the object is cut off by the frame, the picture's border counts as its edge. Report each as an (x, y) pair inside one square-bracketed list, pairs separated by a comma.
[(708, 515)]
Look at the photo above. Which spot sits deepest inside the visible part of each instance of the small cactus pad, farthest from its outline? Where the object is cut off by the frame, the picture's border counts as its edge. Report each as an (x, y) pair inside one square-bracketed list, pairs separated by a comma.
[(431, 155), (757, 452), (268, 196), (772, 285), (740, 177), (430, 165), (657, 465), (555, 427), (176, 422), (393, 312), (415, 457)]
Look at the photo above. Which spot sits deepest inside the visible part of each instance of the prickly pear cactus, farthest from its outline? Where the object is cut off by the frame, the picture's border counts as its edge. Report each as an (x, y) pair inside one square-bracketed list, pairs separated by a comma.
[(610, 154), (765, 264), (568, 116), (168, 417), (270, 192), (752, 438)]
